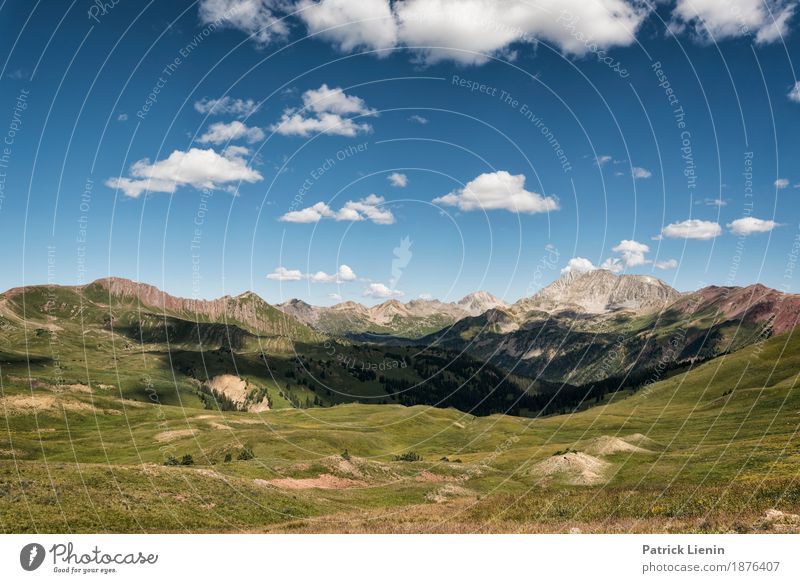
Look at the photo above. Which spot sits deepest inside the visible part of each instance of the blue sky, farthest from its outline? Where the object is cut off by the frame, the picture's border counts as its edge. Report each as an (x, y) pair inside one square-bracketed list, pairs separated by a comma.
[(430, 149)]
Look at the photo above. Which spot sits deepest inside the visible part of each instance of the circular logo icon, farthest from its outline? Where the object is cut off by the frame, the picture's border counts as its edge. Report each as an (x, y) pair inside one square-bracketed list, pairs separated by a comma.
[(31, 556)]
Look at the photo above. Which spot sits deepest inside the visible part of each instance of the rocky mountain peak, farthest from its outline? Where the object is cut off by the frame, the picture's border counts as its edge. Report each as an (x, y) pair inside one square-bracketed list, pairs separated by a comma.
[(478, 302), (601, 291)]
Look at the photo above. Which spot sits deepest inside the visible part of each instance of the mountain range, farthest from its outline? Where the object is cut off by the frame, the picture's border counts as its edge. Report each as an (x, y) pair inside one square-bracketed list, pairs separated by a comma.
[(412, 319), (584, 333)]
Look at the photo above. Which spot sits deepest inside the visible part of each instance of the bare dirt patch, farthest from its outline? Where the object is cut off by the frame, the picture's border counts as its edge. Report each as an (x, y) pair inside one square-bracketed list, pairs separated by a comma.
[(30, 404), (607, 445), (174, 434), (576, 468), (323, 482), (231, 386), (782, 522), (237, 390)]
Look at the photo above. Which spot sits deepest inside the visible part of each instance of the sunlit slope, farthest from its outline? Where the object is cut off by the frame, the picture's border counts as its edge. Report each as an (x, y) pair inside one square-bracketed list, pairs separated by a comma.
[(718, 441)]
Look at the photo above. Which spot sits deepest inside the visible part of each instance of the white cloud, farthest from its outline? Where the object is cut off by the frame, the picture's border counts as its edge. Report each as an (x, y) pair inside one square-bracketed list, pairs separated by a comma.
[(639, 172), (712, 20), (578, 265), (220, 132), (692, 229), (342, 275), (418, 119), (425, 296), (464, 31), (369, 208), (398, 180), (348, 25), (668, 264), (794, 93), (335, 297), (776, 26), (258, 18), (749, 225), (498, 190), (379, 290), (632, 252), (226, 106), (334, 100), (295, 124), (601, 161), (283, 274), (122, 117), (324, 111), (202, 169), (781, 183)]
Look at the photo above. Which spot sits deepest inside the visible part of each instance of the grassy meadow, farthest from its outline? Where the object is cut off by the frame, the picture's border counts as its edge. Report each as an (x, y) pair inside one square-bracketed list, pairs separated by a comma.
[(710, 450)]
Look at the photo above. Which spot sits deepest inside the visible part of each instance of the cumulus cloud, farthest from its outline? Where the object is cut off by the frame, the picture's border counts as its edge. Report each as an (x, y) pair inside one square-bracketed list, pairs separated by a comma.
[(380, 290), (794, 93), (283, 274), (781, 183), (366, 209), (342, 275), (325, 110), (632, 252), (464, 31), (261, 19), (692, 229), (397, 179), (202, 169), (122, 117), (578, 265), (418, 119), (348, 25), (498, 190), (220, 132), (712, 21), (668, 264), (750, 225), (639, 172)]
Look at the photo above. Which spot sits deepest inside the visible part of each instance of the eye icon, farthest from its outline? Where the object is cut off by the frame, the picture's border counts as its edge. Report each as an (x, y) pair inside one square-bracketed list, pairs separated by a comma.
[(31, 556)]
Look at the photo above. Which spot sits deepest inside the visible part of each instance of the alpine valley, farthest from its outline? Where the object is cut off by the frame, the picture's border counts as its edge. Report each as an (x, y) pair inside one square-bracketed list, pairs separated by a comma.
[(333, 416)]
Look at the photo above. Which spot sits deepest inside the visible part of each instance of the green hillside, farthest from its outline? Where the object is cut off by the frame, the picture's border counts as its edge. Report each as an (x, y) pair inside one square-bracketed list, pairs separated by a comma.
[(709, 450)]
